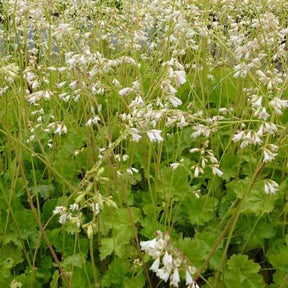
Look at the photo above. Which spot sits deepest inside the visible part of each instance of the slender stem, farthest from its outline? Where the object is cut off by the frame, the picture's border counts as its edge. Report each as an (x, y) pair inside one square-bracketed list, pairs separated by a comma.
[(232, 221), (94, 270), (136, 236), (40, 226), (235, 219)]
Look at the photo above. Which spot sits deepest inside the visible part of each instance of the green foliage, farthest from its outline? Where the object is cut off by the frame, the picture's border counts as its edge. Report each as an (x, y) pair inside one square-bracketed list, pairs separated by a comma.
[(198, 248), (277, 256), (200, 210), (257, 203), (10, 256), (173, 184), (243, 272), (123, 122)]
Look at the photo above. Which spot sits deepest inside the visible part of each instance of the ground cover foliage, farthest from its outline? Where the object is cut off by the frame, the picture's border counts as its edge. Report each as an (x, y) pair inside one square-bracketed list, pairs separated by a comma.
[(143, 143)]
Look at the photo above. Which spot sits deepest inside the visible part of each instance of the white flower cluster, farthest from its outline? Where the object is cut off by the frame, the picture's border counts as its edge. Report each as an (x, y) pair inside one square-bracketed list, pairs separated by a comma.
[(141, 119), (66, 215), (168, 262), (174, 77), (206, 156), (144, 117), (270, 187), (71, 215)]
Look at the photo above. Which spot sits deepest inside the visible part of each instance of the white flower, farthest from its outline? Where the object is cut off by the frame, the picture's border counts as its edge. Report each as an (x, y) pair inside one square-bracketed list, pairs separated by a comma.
[(132, 170), (278, 105), (73, 84), (175, 101), (261, 113), (145, 245), (116, 83), (251, 138), (60, 129), (63, 218), (62, 29), (196, 172), (270, 128), (93, 120), (163, 273), (270, 187), (182, 122), (223, 110), (125, 157), (180, 77), (125, 91), (175, 278), (135, 134), (155, 265), (136, 85), (189, 279), (284, 31), (160, 244), (174, 166), (216, 171), (203, 162), (30, 76), (95, 208), (201, 130), (194, 150), (58, 210), (167, 260), (65, 97), (268, 155), (257, 102), (138, 101), (74, 207), (61, 84), (155, 135), (78, 223), (273, 147), (167, 87), (260, 74), (36, 96), (239, 136)]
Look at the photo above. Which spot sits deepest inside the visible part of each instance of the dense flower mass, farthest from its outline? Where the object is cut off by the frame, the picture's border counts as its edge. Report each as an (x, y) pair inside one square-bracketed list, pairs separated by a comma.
[(122, 117), (168, 261)]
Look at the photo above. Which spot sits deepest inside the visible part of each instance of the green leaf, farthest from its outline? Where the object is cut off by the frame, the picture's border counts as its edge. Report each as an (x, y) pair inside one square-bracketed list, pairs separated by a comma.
[(254, 231), (198, 248), (44, 191), (44, 269), (117, 273), (82, 277), (257, 201), (197, 211), (26, 224), (64, 159), (76, 260), (10, 255), (228, 165), (277, 256), (107, 247), (64, 243), (124, 218), (149, 222), (26, 280), (118, 244), (173, 183), (55, 278), (243, 273), (135, 281)]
